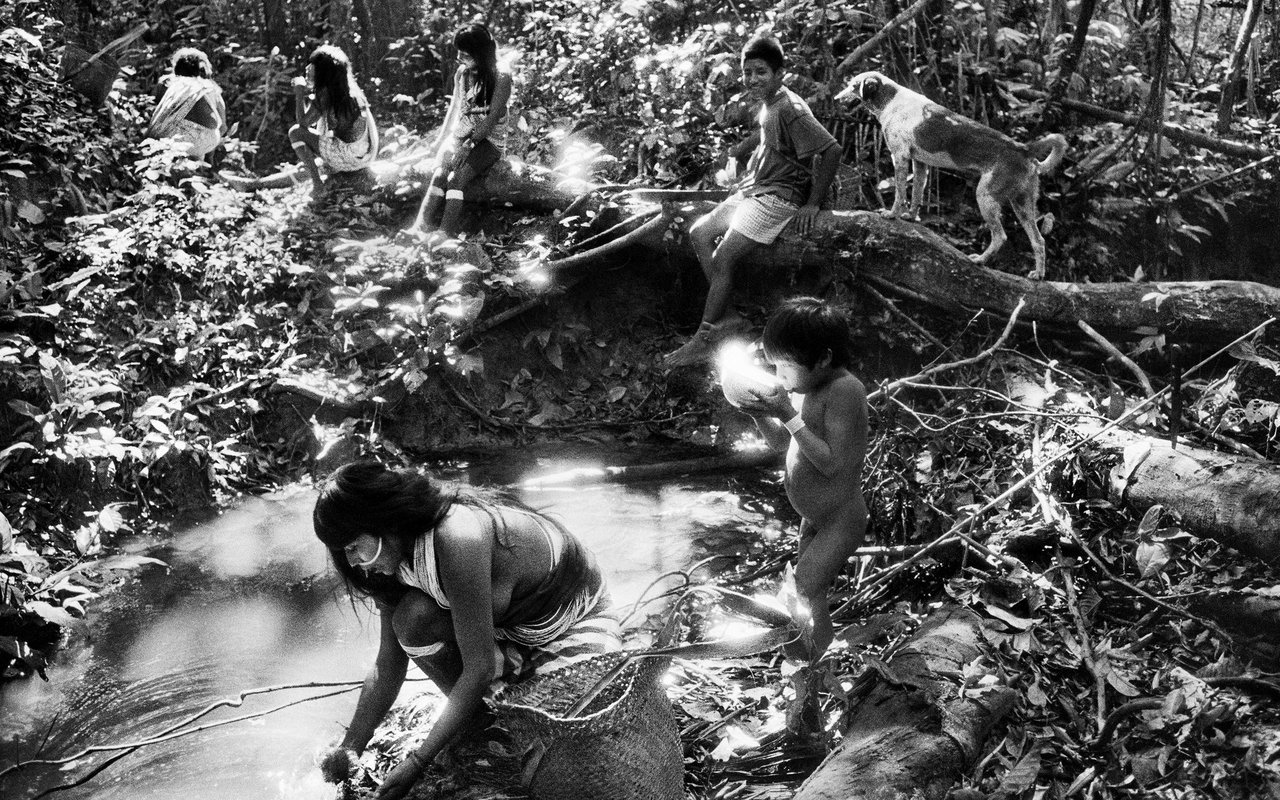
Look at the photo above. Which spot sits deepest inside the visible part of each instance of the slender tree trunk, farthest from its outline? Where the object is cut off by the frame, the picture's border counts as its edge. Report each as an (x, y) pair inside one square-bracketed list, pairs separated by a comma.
[(1189, 75), (1238, 53), (993, 27), (1054, 21), (1159, 80), (381, 22), (1069, 63), (275, 24)]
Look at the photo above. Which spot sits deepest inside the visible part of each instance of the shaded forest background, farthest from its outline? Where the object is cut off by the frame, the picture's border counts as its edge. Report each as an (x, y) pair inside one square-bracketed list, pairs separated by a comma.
[(166, 343)]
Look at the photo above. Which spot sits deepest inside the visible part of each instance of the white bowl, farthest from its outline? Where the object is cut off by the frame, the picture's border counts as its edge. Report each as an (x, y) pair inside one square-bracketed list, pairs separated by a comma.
[(745, 383)]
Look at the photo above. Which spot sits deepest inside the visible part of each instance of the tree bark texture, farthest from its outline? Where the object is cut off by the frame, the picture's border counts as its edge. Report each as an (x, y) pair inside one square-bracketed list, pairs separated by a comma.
[(1175, 133), (1254, 618), (381, 23), (275, 24), (1232, 500), (915, 262), (1071, 58), (1244, 40), (915, 736)]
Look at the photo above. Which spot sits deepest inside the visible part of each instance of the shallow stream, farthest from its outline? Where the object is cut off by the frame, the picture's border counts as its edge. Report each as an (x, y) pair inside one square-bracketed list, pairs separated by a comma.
[(248, 600)]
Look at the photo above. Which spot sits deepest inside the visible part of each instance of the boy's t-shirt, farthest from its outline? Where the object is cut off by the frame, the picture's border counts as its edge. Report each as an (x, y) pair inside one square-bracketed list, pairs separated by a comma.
[(790, 136)]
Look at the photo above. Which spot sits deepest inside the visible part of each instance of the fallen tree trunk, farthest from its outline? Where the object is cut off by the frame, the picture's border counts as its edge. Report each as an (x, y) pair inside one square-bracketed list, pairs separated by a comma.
[(915, 262), (1232, 500), (1175, 133), (914, 737), (1254, 618)]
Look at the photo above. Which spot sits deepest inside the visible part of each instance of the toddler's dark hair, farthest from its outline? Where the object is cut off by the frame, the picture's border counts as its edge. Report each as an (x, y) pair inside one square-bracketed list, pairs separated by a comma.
[(767, 49), (804, 329), (190, 62)]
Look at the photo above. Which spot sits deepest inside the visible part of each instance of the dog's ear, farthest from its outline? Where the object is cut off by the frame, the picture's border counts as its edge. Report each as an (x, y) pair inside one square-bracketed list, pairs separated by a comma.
[(870, 88)]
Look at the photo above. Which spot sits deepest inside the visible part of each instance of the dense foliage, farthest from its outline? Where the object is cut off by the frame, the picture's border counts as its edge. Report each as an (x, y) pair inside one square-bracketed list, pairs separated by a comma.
[(145, 347)]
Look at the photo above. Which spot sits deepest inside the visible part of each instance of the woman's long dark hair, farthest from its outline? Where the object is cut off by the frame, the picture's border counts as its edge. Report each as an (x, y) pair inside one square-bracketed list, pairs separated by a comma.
[(398, 504), (476, 41), (336, 89)]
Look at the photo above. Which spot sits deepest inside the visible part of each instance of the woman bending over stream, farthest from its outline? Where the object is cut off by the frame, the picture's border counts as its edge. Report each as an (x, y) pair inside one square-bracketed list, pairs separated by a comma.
[(479, 592)]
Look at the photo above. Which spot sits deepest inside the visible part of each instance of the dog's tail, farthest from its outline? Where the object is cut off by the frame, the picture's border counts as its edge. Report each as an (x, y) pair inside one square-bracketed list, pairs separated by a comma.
[(1058, 143)]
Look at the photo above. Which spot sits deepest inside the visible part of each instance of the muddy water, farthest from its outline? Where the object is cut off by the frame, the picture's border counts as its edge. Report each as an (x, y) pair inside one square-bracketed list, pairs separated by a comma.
[(248, 601)]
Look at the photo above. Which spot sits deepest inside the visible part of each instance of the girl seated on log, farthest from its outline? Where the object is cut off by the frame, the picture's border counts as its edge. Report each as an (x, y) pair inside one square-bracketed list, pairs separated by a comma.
[(337, 124), (191, 111), (478, 591), (473, 135), (334, 125)]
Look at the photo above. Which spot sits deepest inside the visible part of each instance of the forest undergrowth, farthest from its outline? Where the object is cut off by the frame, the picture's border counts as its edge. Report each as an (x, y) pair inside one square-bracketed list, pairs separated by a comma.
[(148, 314)]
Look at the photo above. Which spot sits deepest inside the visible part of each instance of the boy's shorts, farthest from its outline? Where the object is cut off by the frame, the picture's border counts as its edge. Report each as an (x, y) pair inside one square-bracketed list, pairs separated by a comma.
[(760, 217)]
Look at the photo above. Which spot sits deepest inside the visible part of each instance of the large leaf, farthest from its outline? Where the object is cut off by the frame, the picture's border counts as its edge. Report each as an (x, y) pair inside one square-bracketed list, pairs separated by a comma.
[(6, 534), (1150, 521), (1021, 776), (1152, 557), (121, 563), (52, 613)]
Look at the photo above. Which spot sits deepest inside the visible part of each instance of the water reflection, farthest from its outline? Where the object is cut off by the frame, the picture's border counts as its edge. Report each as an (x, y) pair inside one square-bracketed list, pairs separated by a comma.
[(249, 601)]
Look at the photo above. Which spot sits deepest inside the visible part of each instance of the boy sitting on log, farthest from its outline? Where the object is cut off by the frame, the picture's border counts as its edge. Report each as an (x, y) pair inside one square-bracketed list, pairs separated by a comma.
[(787, 177)]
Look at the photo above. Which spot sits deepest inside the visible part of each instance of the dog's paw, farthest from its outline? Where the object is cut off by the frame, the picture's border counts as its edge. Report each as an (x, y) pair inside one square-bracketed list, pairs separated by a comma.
[(891, 213), (978, 258), (1037, 274)]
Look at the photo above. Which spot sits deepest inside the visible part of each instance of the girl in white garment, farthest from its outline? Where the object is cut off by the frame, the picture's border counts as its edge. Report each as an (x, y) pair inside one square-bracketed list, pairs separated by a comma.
[(334, 121), (191, 111)]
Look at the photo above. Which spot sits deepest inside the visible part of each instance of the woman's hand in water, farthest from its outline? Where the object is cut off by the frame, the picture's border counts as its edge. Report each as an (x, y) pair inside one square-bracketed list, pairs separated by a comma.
[(337, 764), (400, 780)]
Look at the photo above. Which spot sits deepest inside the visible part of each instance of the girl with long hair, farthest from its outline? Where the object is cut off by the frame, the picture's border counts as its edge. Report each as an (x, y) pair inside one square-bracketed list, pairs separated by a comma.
[(334, 120), (191, 111), (473, 136), (477, 591)]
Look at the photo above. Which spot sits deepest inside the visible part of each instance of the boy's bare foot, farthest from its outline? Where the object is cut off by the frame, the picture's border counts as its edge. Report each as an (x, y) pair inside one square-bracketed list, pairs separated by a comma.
[(701, 346), (438, 240)]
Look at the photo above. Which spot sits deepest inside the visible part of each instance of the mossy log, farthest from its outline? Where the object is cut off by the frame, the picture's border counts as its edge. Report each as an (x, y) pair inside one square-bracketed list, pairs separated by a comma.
[(907, 259), (916, 736), (1227, 498), (1254, 618)]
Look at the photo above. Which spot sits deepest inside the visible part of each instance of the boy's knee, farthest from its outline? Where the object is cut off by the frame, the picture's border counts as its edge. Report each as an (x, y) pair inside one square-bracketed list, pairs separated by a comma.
[(811, 582), (701, 233), (459, 179)]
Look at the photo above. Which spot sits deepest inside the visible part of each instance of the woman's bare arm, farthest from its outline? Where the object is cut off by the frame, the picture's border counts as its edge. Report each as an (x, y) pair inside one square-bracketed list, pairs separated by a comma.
[(451, 116), (381, 686), (464, 547)]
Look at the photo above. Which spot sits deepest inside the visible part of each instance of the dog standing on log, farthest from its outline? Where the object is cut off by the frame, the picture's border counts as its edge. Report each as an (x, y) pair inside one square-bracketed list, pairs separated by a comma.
[(918, 131)]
